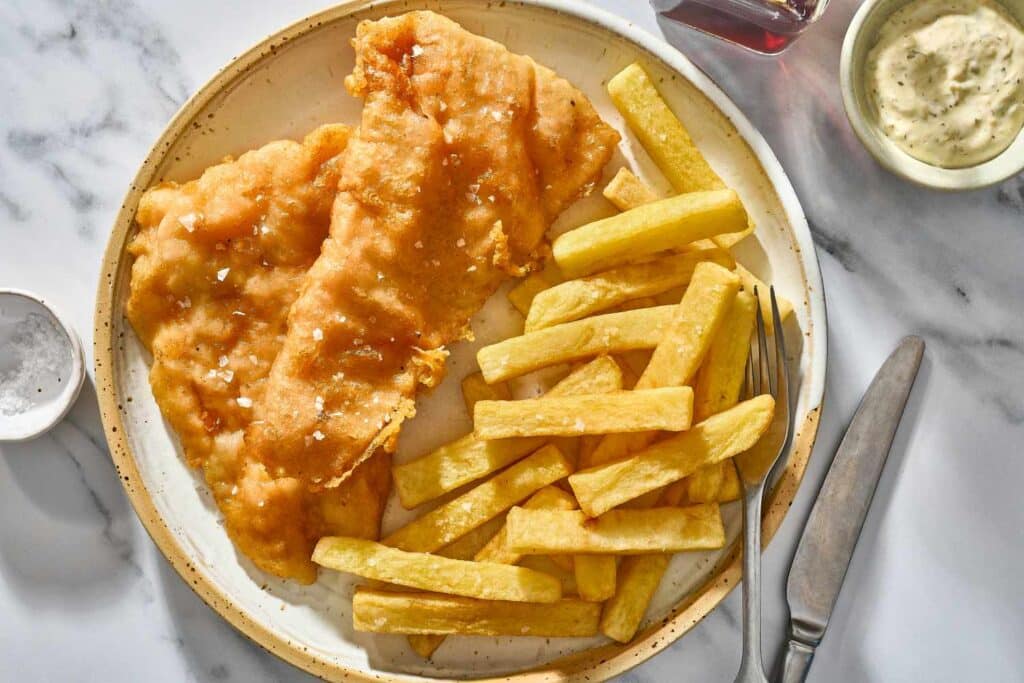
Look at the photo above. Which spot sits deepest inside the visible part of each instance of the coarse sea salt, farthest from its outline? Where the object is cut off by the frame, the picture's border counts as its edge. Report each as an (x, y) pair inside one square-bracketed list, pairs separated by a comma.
[(35, 363)]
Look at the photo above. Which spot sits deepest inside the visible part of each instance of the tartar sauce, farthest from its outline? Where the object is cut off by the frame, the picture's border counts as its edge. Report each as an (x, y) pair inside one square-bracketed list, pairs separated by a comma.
[(947, 80)]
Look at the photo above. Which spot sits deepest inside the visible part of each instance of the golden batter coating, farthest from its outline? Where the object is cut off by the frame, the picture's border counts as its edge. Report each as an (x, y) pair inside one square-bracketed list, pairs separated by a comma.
[(464, 156), (218, 263)]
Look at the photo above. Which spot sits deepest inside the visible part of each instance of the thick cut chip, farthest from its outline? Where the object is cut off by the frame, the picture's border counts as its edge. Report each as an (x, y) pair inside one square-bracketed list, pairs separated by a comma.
[(425, 613), (639, 577), (665, 138), (475, 388), (446, 191), (720, 377), (718, 386), (710, 484), (521, 296), (459, 516), (617, 532), (595, 576), (435, 573), (601, 334), (549, 497), (575, 299), (468, 459), (547, 565), (455, 464), (750, 282), (721, 436), (675, 361), (425, 644), (466, 547), (666, 409), (648, 229), (626, 191)]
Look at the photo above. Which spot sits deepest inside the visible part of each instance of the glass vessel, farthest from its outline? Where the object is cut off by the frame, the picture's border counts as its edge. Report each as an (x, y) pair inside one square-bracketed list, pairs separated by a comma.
[(765, 26)]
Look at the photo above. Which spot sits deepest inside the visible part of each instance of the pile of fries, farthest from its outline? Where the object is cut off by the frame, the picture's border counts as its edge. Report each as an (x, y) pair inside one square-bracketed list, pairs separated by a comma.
[(563, 511)]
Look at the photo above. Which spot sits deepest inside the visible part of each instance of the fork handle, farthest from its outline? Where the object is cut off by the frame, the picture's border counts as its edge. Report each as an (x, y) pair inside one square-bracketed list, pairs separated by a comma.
[(796, 662), (752, 664)]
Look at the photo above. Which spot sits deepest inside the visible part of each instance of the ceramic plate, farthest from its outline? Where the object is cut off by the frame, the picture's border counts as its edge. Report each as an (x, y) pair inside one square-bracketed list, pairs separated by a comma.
[(289, 84)]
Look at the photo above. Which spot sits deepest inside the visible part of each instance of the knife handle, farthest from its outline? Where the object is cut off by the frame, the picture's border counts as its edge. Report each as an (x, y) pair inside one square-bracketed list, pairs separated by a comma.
[(796, 662)]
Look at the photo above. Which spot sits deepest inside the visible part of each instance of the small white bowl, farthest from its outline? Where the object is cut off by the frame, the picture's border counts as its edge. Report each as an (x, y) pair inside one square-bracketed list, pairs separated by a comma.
[(56, 400), (860, 38)]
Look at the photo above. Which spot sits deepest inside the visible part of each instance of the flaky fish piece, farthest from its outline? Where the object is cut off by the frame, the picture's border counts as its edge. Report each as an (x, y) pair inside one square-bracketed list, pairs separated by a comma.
[(218, 262), (464, 155)]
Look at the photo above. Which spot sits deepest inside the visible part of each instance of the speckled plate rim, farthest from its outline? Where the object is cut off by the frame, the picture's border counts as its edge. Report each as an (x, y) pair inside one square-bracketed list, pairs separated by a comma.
[(598, 663)]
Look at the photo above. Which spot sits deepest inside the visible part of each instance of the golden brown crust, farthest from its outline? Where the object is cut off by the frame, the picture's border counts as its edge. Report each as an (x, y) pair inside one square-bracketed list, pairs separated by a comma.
[(457, 136), (218, 262)]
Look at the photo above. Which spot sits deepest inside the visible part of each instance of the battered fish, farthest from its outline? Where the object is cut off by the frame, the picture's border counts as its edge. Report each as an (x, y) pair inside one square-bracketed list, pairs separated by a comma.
[(218, 263), (464, 156)]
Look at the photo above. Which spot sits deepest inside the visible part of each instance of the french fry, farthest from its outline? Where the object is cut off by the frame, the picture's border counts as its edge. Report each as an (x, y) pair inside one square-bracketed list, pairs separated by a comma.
[(599, 376), (648, 229), (720, 377), (455, 464), (617, 532), (575, 299), (427, 613), (730, 489), (677, 357), (425, 644), (472, 545), (522, 294), (468, 459), (601, 488), (666, 408), (718, 386), (595, 576), (698, 316), (459, 516), (546, 565), (665, 138), (639, 577), (549, 497), (475, 388), (750, 281), (626, 191), (485, 581), (712, 484), (662, 134), (601, 334), (466, 547)]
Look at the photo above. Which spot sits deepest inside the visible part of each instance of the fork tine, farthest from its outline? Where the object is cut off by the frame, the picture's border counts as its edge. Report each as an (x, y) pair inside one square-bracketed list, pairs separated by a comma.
[(781, 361), (763, 364), (748, 376)]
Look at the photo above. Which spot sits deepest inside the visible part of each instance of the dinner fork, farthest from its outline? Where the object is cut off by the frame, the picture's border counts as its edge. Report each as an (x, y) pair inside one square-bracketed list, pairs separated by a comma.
[(767, 369)]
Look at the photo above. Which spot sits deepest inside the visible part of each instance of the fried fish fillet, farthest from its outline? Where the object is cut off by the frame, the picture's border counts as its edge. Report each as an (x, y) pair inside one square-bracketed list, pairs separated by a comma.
[(464, 156), (218, 263)]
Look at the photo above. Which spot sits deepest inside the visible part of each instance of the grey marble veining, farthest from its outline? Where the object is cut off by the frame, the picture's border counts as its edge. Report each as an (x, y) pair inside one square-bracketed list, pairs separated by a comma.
[(933, 592)]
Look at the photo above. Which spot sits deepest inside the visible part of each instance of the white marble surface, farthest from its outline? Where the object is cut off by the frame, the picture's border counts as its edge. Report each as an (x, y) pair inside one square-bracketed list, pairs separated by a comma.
[(933, 593)]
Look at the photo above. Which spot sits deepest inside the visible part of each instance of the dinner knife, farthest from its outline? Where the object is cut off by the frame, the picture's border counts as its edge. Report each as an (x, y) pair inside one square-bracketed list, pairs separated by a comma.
[(830, 535)]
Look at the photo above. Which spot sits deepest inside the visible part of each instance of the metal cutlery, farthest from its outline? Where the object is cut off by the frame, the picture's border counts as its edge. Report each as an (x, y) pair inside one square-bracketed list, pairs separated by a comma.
[(830, 535), (767, 370)]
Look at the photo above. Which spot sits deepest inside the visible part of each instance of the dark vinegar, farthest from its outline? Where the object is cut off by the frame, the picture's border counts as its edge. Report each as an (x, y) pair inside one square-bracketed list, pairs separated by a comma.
[(760, 25)]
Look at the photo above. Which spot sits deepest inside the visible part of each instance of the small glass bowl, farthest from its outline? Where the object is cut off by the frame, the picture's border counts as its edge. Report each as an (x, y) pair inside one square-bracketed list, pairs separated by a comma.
[(860, 38)]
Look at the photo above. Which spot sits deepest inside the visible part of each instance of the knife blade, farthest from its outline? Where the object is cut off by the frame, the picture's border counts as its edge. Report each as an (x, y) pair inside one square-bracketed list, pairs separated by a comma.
[(830, 535)]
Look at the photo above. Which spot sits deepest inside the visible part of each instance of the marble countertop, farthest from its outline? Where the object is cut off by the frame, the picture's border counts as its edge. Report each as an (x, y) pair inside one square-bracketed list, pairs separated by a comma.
[(933, 592)]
